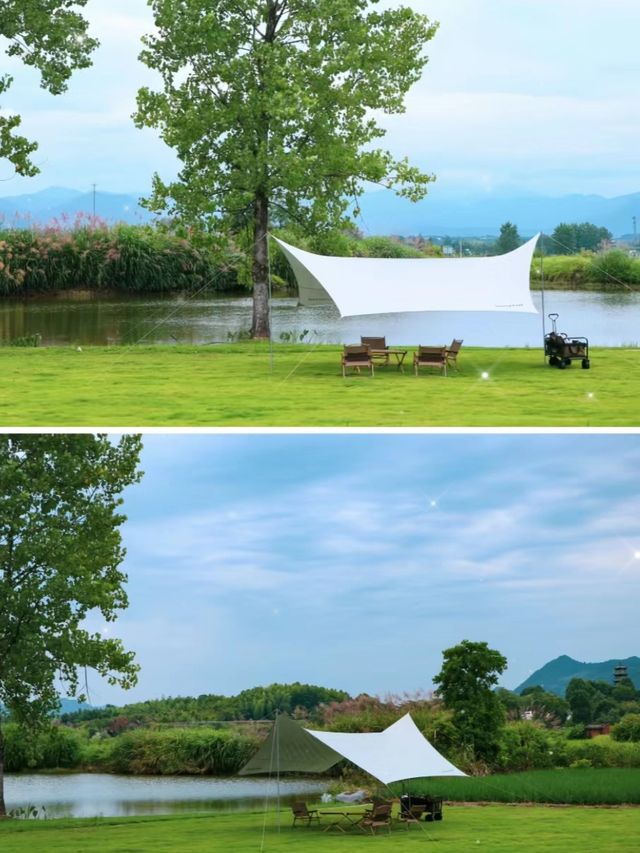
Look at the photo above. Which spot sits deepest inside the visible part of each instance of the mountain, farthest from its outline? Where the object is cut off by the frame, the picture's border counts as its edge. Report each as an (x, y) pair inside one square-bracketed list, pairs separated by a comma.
[(62, 204), (384, 212), (556, 675)]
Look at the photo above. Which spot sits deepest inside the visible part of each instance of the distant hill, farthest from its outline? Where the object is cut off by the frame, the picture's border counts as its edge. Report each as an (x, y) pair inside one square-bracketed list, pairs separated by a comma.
[(382, 212), (556, 675), (59, 203), (478, 216)]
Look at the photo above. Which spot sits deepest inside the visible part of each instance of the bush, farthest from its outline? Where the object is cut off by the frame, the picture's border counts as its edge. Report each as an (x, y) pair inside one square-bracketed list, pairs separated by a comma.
[(49, 749), (604, 752), (185, 751), (614, 267), (530, 746), (93, 257), (628, 729)]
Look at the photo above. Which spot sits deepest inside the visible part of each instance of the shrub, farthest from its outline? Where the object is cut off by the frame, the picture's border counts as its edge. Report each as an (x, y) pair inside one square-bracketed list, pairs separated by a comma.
[(530, 746), (628, 729), (181, 751)]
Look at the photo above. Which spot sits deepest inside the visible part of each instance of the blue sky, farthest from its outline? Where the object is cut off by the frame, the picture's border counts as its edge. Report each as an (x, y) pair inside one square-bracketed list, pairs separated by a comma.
[(352, 561), (536, 96)]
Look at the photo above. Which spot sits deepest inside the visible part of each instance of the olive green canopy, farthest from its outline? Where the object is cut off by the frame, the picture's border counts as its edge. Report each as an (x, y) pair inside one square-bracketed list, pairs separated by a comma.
[(289, 747)]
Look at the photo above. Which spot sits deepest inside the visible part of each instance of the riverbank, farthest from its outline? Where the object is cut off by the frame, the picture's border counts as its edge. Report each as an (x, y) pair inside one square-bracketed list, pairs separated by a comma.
[(248, 385), (503, 829)]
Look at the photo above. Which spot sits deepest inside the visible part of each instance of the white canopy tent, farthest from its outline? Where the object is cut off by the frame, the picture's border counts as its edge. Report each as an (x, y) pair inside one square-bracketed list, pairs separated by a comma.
[(390, 285), (399, 752)]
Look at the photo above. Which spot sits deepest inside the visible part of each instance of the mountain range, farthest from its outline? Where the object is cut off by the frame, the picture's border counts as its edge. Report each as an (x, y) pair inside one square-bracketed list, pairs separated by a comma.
[(555, 675), (381, 212)]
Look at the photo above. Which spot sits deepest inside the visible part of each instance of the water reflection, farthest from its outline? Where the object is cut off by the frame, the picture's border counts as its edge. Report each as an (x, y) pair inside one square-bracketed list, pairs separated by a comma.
[(606, 318), (95, 794)]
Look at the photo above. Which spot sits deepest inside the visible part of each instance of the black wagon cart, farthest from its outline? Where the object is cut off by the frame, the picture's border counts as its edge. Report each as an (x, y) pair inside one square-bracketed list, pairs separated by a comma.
[(561, 349), (431, 806)]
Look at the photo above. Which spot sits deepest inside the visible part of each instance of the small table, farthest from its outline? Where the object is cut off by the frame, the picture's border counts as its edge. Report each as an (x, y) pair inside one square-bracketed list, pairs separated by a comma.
[(399, 355), (343, 820)]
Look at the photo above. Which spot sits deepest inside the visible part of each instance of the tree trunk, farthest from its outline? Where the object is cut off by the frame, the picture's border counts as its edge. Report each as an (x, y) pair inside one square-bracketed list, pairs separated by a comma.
[(3, 808), (260, 327)]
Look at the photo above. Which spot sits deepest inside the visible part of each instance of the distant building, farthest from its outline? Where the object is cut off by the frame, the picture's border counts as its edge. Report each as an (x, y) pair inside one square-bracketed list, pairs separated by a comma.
[(620, 673), (595, 729)]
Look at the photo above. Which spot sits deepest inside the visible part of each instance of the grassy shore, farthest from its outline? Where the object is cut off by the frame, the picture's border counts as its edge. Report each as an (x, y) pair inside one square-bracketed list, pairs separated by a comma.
[(499, 829), (239, 385)]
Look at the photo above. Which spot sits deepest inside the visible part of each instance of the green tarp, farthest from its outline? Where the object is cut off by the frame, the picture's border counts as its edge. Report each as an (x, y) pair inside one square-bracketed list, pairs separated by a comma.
[(289, 747)]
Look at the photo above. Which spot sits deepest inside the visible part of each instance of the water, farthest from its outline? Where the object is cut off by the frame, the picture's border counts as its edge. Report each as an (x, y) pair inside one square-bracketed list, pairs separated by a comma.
[(607, 319), (107, 795)]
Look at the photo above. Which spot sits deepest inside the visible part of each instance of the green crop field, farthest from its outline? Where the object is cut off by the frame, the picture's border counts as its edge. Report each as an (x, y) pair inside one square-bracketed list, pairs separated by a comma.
[(240, 385), (506, 829)]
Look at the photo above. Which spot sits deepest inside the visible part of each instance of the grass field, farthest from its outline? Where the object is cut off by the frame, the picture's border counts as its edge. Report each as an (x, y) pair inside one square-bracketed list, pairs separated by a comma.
[(234, 385), (584, 786), (505, 829)]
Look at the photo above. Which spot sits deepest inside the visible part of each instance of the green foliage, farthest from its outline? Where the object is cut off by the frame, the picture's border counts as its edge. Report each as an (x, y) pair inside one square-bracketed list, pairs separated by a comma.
[(50, 36), (628, 729), (90, 256), (60, 551), (508, 240), (570, 238), (581, 786), (602, 751), (600, 701), (271, 106), (185, 751), (615, 267), (51, 748), (529, 746), (465, 682)]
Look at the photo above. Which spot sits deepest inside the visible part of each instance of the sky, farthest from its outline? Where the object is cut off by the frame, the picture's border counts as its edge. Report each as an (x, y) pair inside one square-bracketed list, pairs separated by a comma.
[(353, 561), (534, 96)]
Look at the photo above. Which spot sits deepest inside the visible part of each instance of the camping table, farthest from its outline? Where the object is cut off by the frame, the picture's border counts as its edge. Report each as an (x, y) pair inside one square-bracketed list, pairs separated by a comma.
[(399, 354), (343, 820)]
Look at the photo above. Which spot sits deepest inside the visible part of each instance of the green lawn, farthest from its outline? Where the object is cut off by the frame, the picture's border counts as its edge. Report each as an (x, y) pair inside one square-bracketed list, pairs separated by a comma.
[(520, 829), (233, 385)]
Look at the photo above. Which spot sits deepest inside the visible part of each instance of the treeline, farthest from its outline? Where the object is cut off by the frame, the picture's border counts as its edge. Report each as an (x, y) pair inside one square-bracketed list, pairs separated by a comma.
[(257, 703), (531, 744)]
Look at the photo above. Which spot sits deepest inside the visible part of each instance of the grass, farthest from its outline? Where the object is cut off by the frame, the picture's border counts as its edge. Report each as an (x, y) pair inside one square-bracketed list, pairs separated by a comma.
[(503, 829), (602, 786), (232, 385)]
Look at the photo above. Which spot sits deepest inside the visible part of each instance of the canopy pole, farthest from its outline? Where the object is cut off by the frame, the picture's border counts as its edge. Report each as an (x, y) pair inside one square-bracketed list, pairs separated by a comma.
[(269, 310), (544, 328), (277, 744)]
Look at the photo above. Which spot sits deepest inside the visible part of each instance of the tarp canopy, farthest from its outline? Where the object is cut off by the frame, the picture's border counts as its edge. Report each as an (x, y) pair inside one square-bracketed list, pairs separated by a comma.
[(289, 747), (399, 752), (391, 285)]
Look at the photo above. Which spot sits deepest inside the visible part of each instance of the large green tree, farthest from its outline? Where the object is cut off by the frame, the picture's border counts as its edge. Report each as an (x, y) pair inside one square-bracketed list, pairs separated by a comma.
[(60, 556), (570, 238), (466, 683), (272, 107), (509, 238), (51, 36)]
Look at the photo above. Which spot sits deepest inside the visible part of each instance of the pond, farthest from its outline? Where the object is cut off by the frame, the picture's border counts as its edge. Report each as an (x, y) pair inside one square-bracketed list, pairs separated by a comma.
[(107, 795), (607, 319)]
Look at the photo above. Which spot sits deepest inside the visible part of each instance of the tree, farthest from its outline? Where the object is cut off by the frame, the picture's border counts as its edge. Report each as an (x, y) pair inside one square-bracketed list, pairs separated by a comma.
[(51, 36), (270, 107), (60, 552), (508, 240), (570, 238), (469, 673)]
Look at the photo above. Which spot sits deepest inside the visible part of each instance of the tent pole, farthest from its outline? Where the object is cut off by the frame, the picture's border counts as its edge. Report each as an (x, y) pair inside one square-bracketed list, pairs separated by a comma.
[(544, 329), (270, 312), (277, 739)]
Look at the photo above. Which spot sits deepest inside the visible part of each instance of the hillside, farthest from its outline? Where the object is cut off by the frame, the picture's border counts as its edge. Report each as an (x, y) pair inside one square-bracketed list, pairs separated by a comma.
[(439, 214), (556, 675)]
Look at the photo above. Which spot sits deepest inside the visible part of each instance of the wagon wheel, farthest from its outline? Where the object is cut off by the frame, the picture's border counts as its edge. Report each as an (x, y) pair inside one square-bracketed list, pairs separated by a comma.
[(586, 364), (554, 361)]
